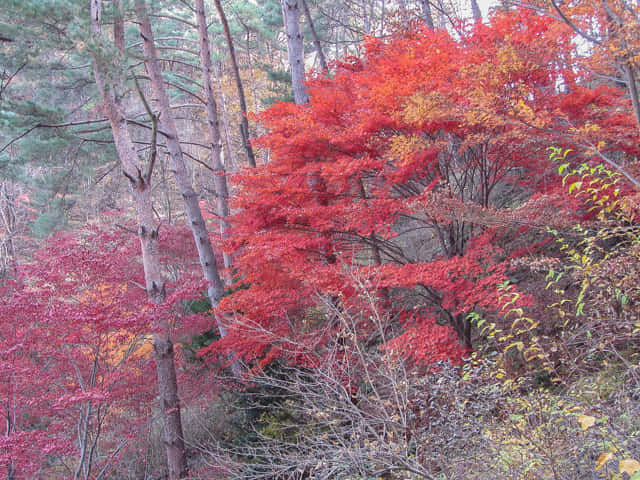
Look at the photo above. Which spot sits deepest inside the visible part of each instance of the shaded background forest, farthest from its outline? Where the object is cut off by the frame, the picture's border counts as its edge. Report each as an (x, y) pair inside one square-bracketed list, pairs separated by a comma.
[(316, 239)]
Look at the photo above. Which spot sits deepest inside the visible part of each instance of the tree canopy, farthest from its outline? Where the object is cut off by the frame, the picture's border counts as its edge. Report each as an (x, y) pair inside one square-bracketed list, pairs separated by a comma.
[(319, 239)]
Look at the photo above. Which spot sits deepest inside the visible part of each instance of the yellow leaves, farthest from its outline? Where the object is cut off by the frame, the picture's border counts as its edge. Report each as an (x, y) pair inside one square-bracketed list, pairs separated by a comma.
[(586, 421), (438, 107), (591, 128), (422, 106), (103, 292), (518, 345), (524, 112), (403, 146), (575, 186), (509, 60), (603, 459), (629, 466), (586, 130), (122, 345)]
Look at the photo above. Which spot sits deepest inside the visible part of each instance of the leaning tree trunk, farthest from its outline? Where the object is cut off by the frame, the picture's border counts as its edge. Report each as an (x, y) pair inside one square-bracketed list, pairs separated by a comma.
[(264, 153), (295, 48), (217, 70), (246, 141), (140, 185), (183, 181), (426, 13), (213, 127), (316, 39)]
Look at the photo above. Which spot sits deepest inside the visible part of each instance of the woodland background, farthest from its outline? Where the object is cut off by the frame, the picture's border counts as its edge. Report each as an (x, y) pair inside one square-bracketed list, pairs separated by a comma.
[(319, 239)]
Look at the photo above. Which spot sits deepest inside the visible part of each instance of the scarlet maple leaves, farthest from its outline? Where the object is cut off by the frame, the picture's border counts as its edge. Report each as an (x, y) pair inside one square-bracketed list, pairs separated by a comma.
[(404, 170)]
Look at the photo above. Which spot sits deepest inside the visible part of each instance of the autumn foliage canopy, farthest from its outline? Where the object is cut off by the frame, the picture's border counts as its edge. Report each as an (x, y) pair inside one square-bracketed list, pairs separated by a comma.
[(408, 173), (405, 197), (76, 353)]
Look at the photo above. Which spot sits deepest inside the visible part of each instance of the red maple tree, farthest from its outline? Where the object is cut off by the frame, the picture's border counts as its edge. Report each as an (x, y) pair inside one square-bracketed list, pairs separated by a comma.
[(408, 167), (77, 380)]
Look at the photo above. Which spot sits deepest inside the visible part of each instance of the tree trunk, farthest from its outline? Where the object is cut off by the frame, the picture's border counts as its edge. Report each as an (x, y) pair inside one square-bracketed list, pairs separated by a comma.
[(213, 127), (295, 49), (426, 13), (8, 216), (225, 119), (404, 13), (140, 186), (244, 129), (316, 38), (632, 86), (264, 153), (170, 406), (366, 18), (475, 9), (176, 158), (443, 15)]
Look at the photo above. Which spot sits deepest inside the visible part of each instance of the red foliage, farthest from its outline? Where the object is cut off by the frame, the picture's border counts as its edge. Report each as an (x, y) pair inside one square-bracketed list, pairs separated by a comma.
[(427, 139), (425, 134), (75, 353)]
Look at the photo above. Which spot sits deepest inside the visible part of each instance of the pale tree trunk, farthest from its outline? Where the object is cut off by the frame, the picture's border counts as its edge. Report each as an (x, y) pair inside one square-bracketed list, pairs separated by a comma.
[(140, 186), (213, 127), (9, 224), (244, 126), (475, 9), (626, 64), (404, 13), (426, 13), (443, 16), (183, 181), (222, 191), (316, 38), (366, 18), (633, 90), (295, 48), (170, 406)]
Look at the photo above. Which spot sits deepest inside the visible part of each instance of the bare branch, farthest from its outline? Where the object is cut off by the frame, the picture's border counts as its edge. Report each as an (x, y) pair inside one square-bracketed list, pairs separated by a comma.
[(46, 125)]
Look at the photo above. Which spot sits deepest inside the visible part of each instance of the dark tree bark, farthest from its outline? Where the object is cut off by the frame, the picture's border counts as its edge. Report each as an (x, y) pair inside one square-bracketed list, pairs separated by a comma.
[(9, 226), (443, 16)]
